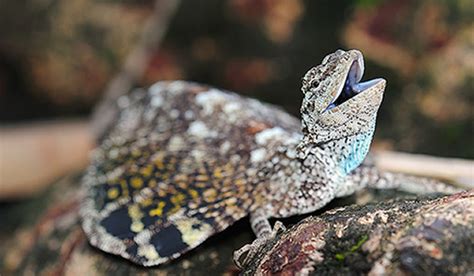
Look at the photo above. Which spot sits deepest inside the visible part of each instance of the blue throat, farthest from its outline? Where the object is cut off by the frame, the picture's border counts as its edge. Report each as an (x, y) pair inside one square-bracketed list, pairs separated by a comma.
[(357, 153)]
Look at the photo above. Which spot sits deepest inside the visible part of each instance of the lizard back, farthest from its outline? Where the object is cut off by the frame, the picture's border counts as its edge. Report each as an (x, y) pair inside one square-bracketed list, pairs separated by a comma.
[(182, 162)]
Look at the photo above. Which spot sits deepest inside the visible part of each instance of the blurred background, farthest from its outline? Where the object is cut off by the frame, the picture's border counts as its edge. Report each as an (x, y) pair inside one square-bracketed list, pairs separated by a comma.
[(59, 58)]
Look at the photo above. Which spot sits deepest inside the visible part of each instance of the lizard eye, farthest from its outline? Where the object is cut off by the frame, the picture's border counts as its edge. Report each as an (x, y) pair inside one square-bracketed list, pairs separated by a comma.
[(314, 84)]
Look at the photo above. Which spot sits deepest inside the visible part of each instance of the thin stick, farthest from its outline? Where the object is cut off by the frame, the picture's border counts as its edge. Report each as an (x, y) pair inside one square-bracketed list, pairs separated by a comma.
[(134, 66), (460, 171)]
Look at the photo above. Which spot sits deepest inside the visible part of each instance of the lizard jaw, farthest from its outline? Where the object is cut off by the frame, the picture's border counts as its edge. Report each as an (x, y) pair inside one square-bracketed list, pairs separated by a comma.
[(352, 85)]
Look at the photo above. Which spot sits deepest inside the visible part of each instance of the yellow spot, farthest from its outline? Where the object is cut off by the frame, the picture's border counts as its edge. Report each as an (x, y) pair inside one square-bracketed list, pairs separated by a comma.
[(137, 226), (231, 201), (240, 182), (210, 195), (174, 210), (158, 211), (202, 177), (218, 173), (228, 194), (177, 199), (180, 177), (191, 234), (124, 186), (182, 185), (134, 212), (113, 193), (228, 167), (133, 168), (259, 199), (136, 215), (136, 182), (136, 152), (231, 209), (146, 202), (161, 193), (148, 251), (146, 171), (193, 193), (112, 181), (163, 176), (171, 165), (227, 182), (159, 163), (201, 185), (152, 183)]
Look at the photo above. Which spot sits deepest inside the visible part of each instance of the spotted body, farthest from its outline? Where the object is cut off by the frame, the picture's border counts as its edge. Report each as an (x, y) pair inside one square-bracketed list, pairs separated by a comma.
[(184, 161)]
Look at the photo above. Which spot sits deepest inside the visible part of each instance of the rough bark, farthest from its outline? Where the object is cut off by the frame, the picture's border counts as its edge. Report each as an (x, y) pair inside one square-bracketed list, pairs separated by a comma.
[(430, 236)]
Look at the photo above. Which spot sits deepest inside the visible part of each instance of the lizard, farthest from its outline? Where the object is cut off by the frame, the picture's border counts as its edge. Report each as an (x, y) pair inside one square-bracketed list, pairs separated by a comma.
[(184, 161)]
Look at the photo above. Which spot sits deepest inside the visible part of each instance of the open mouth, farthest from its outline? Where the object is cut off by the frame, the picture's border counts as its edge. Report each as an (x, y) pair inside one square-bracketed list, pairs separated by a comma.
[(352, 86)]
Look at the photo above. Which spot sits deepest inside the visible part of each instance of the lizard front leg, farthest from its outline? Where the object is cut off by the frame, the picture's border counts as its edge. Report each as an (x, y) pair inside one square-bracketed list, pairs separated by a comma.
[(264, 232)]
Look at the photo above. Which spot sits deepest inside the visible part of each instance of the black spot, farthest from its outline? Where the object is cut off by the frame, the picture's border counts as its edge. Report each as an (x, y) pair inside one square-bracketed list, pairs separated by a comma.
[(168, 241), (132, 249), (148, 220), (118, 224)]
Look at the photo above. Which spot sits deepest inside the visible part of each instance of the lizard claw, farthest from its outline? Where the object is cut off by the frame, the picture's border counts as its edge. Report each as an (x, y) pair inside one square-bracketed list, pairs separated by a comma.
[(244, 255)]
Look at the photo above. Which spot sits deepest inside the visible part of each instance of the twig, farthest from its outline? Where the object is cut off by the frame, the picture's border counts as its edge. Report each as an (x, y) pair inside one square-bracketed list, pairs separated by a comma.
[(134, 66), (460, 171)]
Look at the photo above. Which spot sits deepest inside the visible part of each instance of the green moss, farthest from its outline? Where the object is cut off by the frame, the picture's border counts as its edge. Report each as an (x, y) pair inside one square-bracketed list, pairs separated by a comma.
[(354, 248), (340, 256), (363, 239)]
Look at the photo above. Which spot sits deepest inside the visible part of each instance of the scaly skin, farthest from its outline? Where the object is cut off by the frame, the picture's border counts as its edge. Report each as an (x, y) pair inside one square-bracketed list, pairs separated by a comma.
[(184, 161)]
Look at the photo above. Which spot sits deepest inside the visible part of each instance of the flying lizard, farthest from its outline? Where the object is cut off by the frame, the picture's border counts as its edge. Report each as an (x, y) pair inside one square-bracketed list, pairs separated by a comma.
[(184, 161)]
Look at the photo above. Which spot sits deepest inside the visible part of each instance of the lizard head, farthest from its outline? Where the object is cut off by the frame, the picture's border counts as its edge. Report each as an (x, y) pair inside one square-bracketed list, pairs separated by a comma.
[(339, 111)]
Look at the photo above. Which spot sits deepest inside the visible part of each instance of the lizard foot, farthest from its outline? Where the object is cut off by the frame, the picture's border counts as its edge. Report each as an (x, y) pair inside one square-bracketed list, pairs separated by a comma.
[(246, 253)]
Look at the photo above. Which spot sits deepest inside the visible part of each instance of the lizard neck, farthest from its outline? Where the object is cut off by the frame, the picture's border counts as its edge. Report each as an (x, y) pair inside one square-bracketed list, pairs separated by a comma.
[(305, 179), (304, 175), (309, 175), (344, 154)]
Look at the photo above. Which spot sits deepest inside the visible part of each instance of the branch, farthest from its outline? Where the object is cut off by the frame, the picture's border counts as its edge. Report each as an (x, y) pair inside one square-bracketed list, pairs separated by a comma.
[(134, 66), (454, 170)]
